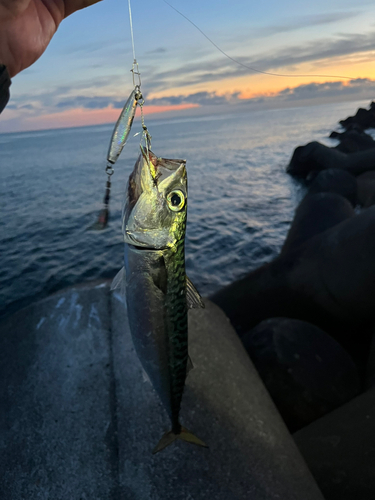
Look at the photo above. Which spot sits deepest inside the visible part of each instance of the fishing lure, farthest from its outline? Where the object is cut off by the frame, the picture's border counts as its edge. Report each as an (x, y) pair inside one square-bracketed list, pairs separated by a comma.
[(118, 140), (123, 126)]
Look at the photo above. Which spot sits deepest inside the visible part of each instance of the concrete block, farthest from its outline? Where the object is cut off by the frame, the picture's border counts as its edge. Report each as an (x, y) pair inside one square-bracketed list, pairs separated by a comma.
[(250, 455), (56, 425), (78, 421), (340, 450), (306, 372)]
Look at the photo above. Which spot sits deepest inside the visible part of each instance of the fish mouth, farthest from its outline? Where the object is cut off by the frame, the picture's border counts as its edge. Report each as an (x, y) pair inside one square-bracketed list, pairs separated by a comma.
[(134, 243), (146, 249)]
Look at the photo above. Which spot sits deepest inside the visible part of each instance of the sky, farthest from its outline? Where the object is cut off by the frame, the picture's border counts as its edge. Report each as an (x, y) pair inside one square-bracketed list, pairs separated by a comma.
[(84, 76)]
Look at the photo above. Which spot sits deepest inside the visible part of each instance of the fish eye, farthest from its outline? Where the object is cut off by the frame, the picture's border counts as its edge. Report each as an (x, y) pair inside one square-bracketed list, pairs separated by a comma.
[(176, 200)]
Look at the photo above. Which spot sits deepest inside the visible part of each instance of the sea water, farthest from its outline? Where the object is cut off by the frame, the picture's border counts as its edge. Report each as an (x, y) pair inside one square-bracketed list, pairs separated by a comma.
[(240, 203)]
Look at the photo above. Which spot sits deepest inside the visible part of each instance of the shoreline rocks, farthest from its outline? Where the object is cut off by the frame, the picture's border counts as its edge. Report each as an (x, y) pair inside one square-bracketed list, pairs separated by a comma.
[(328, 281), (353, 140), (317, 156), (306, 372), (366, 189), (316, 214), (340, 450), (335, 180), (362, 120)]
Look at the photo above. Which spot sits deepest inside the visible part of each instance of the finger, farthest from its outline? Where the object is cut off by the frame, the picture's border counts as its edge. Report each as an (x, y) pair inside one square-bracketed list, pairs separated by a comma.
[(74, 5), (13, 7)]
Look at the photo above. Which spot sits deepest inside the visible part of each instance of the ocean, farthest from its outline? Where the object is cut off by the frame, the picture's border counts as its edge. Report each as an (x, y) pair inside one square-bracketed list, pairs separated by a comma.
[(241, 201)]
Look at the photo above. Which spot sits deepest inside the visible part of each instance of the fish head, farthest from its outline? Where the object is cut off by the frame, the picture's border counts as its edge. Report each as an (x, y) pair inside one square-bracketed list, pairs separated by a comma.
[(154, 214)]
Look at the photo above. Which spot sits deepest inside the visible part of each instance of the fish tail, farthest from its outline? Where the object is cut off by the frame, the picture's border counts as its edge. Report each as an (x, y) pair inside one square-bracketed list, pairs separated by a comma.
[(184, 434)]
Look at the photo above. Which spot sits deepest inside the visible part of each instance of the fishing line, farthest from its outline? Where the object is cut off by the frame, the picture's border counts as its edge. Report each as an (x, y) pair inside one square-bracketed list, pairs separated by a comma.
[(135, 70), (245, 65), (131, 28)]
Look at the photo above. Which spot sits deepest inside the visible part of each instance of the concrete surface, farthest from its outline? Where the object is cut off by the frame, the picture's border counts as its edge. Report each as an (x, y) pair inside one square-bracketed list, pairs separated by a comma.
[(56, 423), (78, 420), (340, 450)]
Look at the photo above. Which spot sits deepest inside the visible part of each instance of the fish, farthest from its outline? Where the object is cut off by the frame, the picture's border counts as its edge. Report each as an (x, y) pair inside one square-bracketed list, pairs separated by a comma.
[(158, 292)]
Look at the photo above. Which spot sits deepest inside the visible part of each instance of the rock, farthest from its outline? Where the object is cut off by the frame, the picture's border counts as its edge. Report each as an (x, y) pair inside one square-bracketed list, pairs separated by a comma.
[(306, 372), (315, 214), (315, 157), (366, 189), (353, 140), (328, 281), (78, 421), (339, 449), (335, 180), (354, 127), (364, 118)]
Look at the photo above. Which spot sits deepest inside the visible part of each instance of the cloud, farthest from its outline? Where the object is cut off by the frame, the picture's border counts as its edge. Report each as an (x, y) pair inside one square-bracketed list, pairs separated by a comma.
[(200, 98), (159, 50), (355, 89), (91, 95), (88, 48), (26, 106), (83, 110), (97, 102), (306, 22), (53, 102), (275, 61)]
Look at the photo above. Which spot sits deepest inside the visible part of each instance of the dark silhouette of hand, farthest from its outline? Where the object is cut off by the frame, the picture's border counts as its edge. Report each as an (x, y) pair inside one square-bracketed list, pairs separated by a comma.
[(27, 26)]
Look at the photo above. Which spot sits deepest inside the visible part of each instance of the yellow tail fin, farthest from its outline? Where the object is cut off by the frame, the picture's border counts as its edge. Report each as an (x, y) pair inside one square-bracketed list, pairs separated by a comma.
[(170, 436)]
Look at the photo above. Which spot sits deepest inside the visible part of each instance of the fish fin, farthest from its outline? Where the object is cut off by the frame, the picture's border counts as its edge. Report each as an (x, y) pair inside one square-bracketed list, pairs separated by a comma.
[(189, 365), (189, 437), (145, 377), (118, 279), (184, 435), (193, 299), (165, 441)]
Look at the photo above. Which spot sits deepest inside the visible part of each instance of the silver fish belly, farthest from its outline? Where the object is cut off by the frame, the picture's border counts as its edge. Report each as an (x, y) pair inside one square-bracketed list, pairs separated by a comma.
[(147, 316)]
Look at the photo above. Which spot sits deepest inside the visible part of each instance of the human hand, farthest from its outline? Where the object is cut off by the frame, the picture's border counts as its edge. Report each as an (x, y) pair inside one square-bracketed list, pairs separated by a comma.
[(27, 26)]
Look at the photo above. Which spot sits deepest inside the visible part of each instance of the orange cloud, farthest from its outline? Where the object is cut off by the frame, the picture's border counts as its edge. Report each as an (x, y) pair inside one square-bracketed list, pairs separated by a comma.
[(359, 65)]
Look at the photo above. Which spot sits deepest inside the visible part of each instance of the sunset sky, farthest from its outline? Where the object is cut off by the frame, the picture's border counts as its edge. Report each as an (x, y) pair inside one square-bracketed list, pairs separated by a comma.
[(84, 76)]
